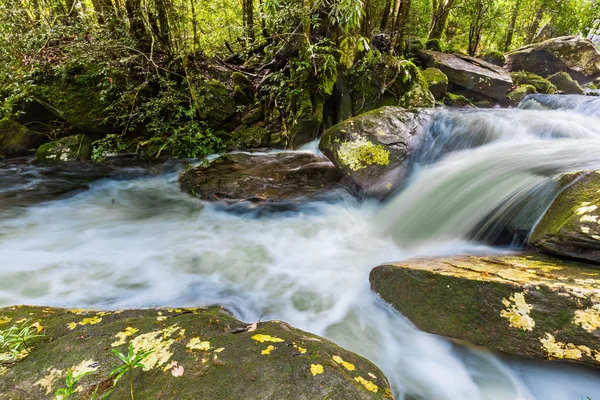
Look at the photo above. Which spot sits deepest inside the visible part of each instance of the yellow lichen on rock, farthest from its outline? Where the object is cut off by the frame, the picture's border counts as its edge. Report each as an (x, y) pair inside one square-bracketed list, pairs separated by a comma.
[(159, 343), (588, 319), (517, 312), (3, 370), (370, 386), (267, 338), (316, 369), (345, 364), (361, 153), (268, 350), (570, 351), (122, 336), (84, 367), (301, 350), (197, 344), (5, 320), (47, 382)]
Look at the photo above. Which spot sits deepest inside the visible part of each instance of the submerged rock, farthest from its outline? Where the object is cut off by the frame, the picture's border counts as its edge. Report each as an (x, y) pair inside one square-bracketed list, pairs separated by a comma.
[(241, 177), (196, 354), (371, 149), (527, 305), (572, 54), (470, 73), (571, 226)]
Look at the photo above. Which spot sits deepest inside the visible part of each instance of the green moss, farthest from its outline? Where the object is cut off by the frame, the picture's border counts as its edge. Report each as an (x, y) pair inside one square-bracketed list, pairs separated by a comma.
[(16, 139), (495, 57), (434, 44), (243, 88), (66, 149), (361, 153), (565, 84), (457, 100), (540, 84), (437, 82), (519, 93), (217, 105)]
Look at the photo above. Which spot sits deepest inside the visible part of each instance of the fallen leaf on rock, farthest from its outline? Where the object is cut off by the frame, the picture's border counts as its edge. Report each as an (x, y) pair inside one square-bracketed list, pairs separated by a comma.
[(177, 369)]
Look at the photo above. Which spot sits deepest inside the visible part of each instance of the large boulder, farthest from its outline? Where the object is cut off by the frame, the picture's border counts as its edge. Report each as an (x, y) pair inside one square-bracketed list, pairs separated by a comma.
[(540, 84), (280, 177), (372, 149), (70, 148), (17, 139), (380, 80), (572, 54), (570, 227), (195, 354), (565, 84), (470, 73), (437, 81), (525, 304)]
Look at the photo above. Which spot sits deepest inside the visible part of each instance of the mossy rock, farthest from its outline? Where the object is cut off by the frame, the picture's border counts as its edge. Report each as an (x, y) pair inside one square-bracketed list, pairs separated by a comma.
[(570, 227), (217, 103), (384, 80), (243, 88), (565, 84), (371, 149), (540, 84), (250, 138), (495, 57), (78, 147), (17, 139), (437, 82), (457, 100), (197, 354), (434, 45), (526, 304), (517, 95)]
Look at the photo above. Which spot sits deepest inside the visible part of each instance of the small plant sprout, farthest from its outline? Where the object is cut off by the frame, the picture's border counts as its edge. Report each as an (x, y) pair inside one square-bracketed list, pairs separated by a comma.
[(70, 383), (130, 361), (15, 340)]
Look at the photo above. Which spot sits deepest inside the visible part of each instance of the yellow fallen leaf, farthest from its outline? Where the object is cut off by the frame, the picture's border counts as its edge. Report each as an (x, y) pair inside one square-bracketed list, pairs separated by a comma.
[(37, 326), (316, 369)]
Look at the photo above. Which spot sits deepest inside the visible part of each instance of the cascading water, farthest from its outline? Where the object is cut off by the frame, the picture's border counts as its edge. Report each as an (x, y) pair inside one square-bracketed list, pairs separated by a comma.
[(141, 242)]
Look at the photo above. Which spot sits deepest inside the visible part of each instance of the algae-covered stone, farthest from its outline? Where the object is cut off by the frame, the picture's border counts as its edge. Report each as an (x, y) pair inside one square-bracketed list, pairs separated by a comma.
[(243, 88), (380, 80), (525, 304), (572, 54), (250, 138), (17, 139), (571, 225), (371, 149), (495, 57), (456, 100), (565, 84), (540, 84), (78, 147), (281, 177), (470, 73), (437, 82), (517, 95), (195, 354), (217, 104)]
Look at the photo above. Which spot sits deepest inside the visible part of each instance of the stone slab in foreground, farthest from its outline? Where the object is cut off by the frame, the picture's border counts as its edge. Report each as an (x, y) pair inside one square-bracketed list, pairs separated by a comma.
[(196, 355), (528, 305)]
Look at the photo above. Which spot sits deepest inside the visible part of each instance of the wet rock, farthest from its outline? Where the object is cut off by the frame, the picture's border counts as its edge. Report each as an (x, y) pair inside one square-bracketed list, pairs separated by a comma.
[(371, 149), (380, 80), (196, 354), (519, 93), (565, 84), (17, 139), (456, 100), (470, 73), (437, 82), (526, 304), (261, 179), (570, 227), (495, 57), (540, 84), (78, 147), (572, 54)]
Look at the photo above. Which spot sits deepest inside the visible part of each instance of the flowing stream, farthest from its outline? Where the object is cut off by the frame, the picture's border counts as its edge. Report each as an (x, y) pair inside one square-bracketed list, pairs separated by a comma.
[(140, 242)]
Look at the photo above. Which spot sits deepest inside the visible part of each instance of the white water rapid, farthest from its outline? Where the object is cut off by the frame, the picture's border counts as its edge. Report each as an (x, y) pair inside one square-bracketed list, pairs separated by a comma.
[(141, 242)]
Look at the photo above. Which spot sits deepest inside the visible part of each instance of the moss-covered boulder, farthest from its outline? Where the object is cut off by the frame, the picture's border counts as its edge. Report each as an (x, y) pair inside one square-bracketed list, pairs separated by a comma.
[(520, 92), (243, 88), (572, 54), (565, 84), (262, 179), (380, 80), (77, 147), (437, 82), (456, 100), (216, 103), (17, 139), (470, 73), (529, 305), (495, 57), (196, 354), (371, 149), (571, 225), (540, 84)]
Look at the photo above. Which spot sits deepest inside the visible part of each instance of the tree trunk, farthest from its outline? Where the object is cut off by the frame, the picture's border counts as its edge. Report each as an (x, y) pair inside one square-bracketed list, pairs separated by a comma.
[(104, 9), (249, 19), (511, 27), (71, 9), (441, 10), (535, 25), (136, 22), (385, 20), (401, 20)]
